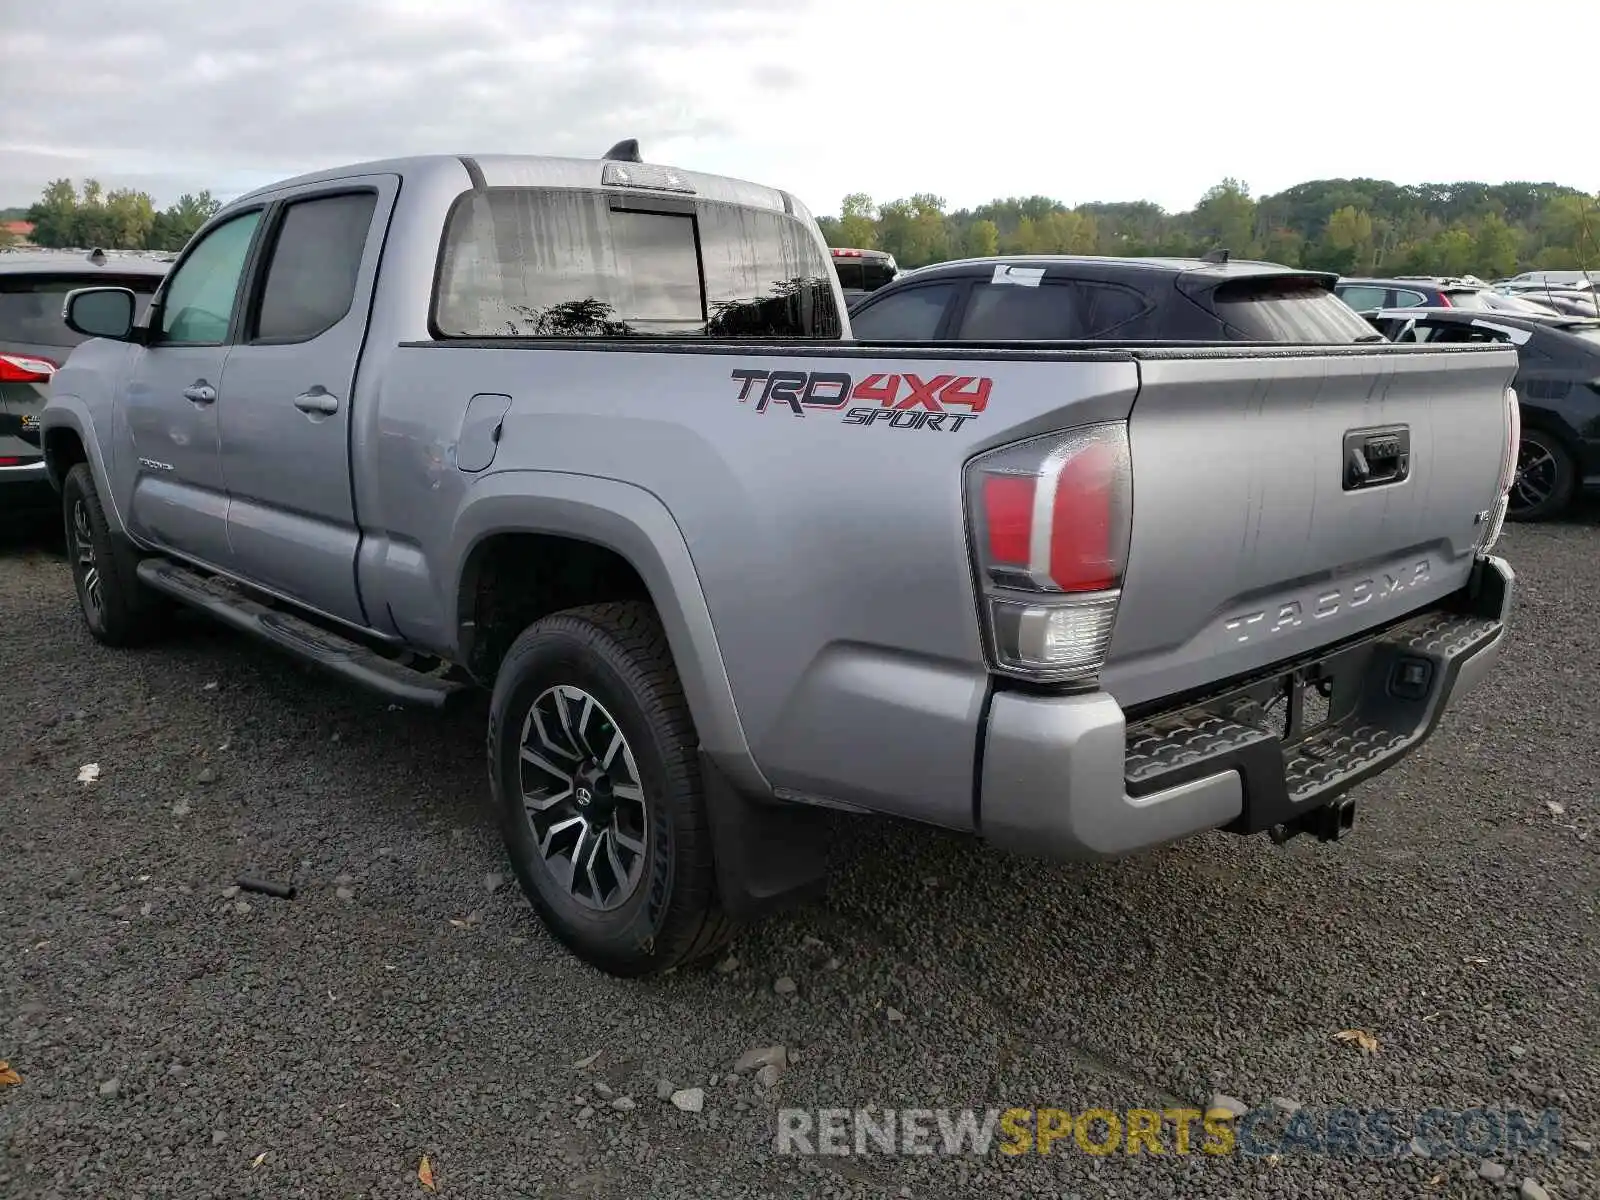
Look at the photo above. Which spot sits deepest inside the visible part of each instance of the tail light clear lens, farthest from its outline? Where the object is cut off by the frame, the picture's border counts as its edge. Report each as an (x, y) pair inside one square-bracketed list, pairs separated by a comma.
[(1508, 473), (1049, 522)]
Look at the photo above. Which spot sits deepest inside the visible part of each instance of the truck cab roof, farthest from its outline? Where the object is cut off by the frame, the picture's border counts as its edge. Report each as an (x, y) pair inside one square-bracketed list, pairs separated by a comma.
[(529, 170)]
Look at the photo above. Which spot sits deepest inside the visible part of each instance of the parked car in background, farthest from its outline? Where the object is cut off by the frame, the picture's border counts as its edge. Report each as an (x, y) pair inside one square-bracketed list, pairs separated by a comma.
[(1557, 384), (1574, 302), (1555, 279), (862, 272), (1067, 298), (1444, 291), (35, 341)]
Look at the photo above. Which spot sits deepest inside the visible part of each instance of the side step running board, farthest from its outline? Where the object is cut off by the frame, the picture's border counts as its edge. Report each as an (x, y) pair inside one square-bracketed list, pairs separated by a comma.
[(323, 648)]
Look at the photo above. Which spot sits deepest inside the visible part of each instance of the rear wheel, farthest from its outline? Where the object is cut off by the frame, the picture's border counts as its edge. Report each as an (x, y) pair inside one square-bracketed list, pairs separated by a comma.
[(1545, 480), (594, 763), (118, 609)]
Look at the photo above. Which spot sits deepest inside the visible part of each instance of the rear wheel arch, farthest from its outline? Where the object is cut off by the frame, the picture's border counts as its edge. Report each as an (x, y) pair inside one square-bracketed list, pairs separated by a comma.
[(591, 541), (63, 450)]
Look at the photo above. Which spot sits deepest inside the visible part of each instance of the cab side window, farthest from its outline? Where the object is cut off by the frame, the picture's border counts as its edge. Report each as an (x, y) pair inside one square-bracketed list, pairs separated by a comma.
[(316, 256), (198, 302)]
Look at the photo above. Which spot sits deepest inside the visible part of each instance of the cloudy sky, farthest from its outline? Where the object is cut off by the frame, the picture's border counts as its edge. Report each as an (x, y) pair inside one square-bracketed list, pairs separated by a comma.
[(1081, 100)]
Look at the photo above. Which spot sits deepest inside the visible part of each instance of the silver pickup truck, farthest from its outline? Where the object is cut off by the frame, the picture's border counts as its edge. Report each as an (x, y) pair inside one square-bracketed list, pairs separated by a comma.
[(592, 435)]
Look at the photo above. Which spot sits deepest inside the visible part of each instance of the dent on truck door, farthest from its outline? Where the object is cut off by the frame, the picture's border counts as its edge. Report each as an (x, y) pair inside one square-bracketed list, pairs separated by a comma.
[(285, 416), (178, 500)]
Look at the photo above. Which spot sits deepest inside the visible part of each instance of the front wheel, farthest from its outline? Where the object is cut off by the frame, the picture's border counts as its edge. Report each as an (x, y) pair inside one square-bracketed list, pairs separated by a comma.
[(594, 762), (1546, 478), (117, 608)]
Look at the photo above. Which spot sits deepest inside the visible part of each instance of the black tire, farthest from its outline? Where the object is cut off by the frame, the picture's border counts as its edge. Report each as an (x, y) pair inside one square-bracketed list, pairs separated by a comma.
[(1551, 482), (617, 655), (117, 608)]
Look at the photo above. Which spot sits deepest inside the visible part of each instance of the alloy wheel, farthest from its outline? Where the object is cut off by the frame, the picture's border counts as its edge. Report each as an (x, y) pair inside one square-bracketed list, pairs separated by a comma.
[(583, 797), (84, 562), (1536, 478)]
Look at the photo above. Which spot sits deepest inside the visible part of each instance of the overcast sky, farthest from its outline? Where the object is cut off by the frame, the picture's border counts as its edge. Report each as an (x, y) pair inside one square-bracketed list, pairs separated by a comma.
[(1080, 100)]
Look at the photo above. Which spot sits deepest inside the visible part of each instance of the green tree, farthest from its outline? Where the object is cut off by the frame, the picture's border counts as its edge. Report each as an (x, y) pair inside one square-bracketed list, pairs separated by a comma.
[(1226, 218), (858, 218), (1283, 245), (55, 214), (1347, 240), (129, 217), (90, 216), (982, 240), (914, 230), (172, 228), (1494, 251)]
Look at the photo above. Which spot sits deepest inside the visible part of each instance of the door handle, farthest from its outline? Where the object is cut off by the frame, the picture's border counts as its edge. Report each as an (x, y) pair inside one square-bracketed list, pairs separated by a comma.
[(200, 392), (317, 400)]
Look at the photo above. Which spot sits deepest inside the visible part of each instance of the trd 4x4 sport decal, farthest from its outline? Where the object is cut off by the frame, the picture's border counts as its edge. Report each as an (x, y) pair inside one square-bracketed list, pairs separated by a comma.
[(942, 402)]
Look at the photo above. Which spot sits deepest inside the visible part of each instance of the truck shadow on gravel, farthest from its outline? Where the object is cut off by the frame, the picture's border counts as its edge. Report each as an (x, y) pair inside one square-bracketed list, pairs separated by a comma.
[(29, 536)]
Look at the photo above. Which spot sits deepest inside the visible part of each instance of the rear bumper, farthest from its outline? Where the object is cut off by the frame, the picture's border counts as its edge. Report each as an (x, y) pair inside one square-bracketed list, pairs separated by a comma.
[(26, 486), (1069, 777)]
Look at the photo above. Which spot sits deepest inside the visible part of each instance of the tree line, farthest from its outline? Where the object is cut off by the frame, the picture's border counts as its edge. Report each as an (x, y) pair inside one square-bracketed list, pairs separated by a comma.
[(66, 216), (1352, 226)]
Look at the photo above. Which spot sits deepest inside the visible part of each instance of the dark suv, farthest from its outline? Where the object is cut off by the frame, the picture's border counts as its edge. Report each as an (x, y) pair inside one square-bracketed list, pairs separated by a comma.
[(1558, 391), (34, 341), (1061, 298)]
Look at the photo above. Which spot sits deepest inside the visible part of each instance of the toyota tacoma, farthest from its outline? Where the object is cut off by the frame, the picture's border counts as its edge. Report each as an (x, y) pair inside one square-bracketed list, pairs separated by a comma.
[(593, 435)]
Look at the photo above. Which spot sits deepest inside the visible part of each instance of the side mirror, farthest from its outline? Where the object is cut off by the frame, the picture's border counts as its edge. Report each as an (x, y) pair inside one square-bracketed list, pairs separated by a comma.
[(103, 312)]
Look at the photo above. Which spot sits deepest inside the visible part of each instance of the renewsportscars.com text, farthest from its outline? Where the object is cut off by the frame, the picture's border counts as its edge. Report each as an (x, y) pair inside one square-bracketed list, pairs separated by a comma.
[(1334, 1132)]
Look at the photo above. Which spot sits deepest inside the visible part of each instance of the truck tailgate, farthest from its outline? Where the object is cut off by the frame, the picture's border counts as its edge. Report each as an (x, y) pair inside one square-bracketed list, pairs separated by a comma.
[(1256, 536)]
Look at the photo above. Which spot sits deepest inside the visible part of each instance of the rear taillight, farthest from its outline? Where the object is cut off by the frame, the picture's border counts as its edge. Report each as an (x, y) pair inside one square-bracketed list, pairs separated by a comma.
[(1508, 473), (1050, 519), (25, 368), (1444, 300)]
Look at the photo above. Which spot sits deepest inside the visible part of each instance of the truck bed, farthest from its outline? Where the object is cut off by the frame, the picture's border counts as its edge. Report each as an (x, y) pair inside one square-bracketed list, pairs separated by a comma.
[(831, 545)]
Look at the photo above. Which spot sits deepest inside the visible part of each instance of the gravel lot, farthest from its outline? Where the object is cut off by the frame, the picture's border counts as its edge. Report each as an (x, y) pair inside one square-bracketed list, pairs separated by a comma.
[(174, 1040)]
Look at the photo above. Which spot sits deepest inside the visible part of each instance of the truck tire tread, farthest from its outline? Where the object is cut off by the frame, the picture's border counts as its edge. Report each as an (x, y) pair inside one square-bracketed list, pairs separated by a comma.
[(131, 614), (628, 636)]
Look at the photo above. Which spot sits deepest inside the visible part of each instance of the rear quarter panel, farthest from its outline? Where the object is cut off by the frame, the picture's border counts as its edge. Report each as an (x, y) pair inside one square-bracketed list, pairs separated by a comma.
[(832, 554)]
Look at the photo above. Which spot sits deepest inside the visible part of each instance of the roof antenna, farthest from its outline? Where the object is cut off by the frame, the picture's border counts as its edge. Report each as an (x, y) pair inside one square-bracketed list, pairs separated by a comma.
[(97, 256), (626, 150), (1216, 257)]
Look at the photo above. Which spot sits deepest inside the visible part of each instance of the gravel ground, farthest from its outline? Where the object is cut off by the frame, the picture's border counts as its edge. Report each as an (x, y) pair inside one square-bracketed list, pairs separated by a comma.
[(174, 1039)]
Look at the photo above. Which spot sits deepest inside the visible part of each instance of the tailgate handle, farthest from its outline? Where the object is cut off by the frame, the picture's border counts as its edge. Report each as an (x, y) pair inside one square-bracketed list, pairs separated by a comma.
[(1374, 457)]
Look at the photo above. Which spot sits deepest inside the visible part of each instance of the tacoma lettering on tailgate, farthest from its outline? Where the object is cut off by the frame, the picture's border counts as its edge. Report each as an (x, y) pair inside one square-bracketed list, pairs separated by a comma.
[(899, 401), (1292, 614)]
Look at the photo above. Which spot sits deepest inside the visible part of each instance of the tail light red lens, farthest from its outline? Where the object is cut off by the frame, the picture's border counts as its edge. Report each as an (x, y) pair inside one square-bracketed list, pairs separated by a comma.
[(1085, 554), (26, 368), (1050, 525), (1008, 516)]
